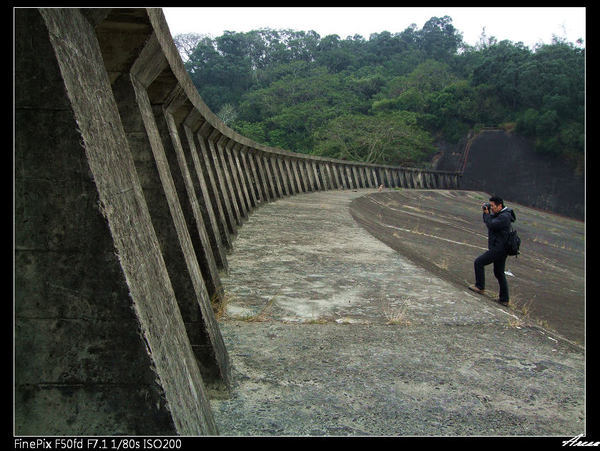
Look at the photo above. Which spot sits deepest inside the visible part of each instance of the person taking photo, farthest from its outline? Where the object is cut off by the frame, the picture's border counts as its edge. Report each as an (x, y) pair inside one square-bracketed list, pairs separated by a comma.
[(498, 219)]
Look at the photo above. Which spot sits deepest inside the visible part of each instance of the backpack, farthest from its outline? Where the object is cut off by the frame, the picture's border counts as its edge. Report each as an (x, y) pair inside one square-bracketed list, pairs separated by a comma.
[(513, 243)]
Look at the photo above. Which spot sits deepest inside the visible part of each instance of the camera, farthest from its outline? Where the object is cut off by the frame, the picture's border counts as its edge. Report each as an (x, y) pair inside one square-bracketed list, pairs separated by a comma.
[(486, 206)]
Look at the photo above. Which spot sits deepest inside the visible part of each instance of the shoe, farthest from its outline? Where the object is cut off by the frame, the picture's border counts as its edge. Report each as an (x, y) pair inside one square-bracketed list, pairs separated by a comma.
[(476, 289), (501, 302)]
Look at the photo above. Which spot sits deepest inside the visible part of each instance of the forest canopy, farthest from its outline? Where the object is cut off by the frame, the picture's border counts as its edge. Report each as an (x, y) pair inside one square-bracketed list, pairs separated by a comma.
[(389, 98)]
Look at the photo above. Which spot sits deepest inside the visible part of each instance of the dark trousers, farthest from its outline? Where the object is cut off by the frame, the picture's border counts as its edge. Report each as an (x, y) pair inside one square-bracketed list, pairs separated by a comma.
[(498, 258)]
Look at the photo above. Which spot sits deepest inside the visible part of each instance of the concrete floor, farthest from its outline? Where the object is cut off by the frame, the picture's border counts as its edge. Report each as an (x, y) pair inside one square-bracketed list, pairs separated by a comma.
[(333, 333)]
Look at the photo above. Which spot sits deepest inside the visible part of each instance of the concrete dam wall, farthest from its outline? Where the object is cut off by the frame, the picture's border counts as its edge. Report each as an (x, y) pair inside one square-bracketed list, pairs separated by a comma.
[(128, 194), (495, 161)]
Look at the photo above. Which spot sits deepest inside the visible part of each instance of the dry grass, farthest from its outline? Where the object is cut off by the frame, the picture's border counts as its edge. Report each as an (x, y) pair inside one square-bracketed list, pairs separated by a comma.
[(397, 315), (221, 300), (561, 245), (523, 309), (261, 316), (319, 320), (442, 263)]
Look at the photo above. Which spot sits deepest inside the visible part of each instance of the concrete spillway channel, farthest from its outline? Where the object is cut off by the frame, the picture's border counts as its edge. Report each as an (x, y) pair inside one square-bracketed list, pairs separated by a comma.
[(332, 332)]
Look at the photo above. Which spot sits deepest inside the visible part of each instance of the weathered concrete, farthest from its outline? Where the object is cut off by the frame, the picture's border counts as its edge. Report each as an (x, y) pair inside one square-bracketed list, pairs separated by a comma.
[(88, 360), (129, 192), (331, 332), (443, 231), (496, 161)]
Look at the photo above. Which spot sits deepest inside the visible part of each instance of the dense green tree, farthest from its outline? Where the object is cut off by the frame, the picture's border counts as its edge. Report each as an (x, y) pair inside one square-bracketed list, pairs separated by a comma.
[(439, 39), (388, 137), (221, 78), (500, 65), (303, 92)]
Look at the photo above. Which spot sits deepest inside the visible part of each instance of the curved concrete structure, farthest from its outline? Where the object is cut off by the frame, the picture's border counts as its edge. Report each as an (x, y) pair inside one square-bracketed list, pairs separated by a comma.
[(129, 191), (350, 335)]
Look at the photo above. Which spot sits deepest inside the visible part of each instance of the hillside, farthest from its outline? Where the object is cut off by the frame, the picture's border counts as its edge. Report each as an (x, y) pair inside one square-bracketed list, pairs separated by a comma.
[(392, 97)]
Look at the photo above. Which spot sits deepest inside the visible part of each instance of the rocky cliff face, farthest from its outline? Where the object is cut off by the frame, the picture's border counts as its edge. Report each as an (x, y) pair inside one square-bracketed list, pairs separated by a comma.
[(505, 164)]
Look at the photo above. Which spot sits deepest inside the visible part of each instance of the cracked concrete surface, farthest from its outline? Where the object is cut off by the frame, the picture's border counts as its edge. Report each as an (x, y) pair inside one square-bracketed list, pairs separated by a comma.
[(333, 333)]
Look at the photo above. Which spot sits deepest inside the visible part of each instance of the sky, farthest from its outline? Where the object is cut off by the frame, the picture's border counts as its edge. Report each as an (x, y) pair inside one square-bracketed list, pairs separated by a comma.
[(530, 25)]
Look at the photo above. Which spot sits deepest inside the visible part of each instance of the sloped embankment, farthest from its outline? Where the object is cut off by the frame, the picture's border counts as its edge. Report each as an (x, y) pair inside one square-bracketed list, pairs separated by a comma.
[(443, 232), (333, 333)]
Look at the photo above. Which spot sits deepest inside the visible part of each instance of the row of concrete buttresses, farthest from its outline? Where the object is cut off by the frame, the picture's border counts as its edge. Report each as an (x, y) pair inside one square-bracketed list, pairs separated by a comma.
[(128, 191)]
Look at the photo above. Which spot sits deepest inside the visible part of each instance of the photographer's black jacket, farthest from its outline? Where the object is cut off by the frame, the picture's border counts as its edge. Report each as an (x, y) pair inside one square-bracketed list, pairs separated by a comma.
[(498, 227)]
